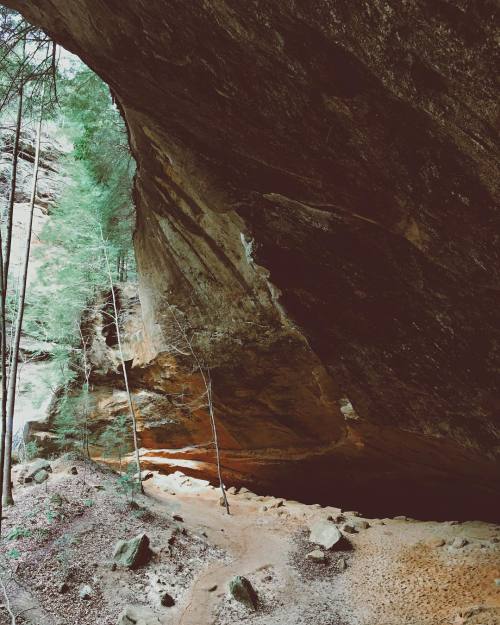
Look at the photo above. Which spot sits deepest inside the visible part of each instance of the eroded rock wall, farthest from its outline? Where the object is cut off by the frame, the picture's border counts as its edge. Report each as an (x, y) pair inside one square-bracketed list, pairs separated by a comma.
[(317, 207)]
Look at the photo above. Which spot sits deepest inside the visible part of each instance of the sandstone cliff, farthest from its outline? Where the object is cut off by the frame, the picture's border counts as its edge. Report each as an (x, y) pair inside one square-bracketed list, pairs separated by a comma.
[(317, 205)]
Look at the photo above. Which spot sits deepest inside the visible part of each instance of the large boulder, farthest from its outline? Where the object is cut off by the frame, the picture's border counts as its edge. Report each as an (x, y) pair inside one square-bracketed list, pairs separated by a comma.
[(35, 467), (41, 476), (324, 533), (132, 553)]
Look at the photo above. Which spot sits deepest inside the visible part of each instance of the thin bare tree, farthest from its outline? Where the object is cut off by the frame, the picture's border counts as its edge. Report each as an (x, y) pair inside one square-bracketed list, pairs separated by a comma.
[(116, 322), (11, 391)]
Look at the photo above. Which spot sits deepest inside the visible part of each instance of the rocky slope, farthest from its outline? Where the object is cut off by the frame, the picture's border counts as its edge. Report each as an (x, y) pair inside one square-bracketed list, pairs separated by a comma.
[(62, 534), (36, 372), (316, 211)]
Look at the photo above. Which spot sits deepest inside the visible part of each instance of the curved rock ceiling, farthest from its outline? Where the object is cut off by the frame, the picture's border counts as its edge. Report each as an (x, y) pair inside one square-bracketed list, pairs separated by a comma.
[(317, 199)]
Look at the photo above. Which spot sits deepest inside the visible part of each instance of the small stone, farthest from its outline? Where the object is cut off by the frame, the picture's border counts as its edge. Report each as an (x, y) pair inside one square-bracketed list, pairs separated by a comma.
[(41, 476), (459, 542), (222, 501), (325, 534), (132, 553), (276, 504), (73, 471), (436, 542), (360, 524), (348, 529), (342, 564), (85, 592), (212, 588), (177, 517), (231, 490), (167, 600), (242, 590), (56, 499), (264, 509), (317, 556), (335, 518), (62, 588), (351, 513), (146, 475), (113, 566)]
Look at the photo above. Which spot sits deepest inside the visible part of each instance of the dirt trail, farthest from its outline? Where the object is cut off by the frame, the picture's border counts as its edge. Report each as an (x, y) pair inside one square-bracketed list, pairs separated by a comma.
[(396, 574), (249, 548)]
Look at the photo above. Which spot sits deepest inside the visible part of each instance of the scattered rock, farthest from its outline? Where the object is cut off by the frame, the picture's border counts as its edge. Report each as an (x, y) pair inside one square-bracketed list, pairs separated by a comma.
[(264, 509), (276, 504), (35, 467), (132, 553), (73, 471), (359, 524), (335, 518), (212, 588), (56, 499), (351, 513), (178, 518), (348, 529), (459, 542), (41, 476), (167, 600), (86, 592), (137, 615), (317, 556), (222, 501), (436, 542), (232, 490), (325, 534), (242, 590), (146, 475), (342, 564), (62, 588)]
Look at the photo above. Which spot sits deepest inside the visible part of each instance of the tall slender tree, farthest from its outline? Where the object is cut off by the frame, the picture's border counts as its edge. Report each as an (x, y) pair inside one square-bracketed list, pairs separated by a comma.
[(11, 392)]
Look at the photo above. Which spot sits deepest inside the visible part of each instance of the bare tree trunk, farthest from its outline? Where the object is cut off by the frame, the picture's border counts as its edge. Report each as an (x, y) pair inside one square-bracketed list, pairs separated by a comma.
[(3, 373), (125, 375), (211, 412), (11, 394), (12, 196)]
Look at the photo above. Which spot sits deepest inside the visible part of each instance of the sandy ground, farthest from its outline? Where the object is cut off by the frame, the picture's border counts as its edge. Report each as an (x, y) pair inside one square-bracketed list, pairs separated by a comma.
[(396, 572)]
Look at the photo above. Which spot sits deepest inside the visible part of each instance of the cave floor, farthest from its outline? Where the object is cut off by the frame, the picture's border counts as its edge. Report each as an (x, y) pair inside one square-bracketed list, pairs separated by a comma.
[(395, 572)]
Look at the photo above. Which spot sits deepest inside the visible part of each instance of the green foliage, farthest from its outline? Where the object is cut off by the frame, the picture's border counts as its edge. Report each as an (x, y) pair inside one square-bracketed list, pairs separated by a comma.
[(128, 484), (14, 553), (116, 438), (71, 426), (18, 532), (31, 450)]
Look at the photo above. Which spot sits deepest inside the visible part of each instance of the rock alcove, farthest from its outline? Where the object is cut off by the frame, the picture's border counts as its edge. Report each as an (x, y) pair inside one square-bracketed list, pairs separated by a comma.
[(315, 201)]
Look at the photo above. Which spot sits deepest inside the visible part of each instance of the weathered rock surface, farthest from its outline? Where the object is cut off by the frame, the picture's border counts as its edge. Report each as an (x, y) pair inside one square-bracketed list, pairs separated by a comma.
[(316, 208), (324, 533), (242, 590), (132, 553)]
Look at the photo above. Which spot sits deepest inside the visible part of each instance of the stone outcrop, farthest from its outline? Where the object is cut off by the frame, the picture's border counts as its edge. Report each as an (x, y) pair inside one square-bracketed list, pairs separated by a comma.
[(316, 214)]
